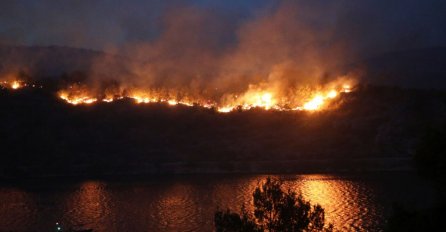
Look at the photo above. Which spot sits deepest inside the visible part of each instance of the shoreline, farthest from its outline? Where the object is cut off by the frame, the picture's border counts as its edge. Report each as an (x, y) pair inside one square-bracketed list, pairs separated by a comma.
[(319, 166)]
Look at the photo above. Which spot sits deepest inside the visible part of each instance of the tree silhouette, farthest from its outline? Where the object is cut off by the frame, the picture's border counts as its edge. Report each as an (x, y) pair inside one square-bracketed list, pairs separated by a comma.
[(430, 156), (274, 210), (430, 160)]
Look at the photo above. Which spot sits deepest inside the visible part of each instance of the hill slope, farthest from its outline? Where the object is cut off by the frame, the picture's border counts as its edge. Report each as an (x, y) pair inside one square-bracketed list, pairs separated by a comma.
[(42, 135)]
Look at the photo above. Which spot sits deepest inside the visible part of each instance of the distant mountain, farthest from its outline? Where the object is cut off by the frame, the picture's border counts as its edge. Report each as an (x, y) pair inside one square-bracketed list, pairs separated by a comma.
[(421, 68), (51, 61)]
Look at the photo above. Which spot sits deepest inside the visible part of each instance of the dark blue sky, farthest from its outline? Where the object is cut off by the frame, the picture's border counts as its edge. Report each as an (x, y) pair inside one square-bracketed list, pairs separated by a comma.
[(103, 24)]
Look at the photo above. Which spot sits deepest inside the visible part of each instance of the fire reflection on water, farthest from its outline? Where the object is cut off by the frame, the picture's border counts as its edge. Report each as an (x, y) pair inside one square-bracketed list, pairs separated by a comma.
[(175, 207), (189, 203), (88, 207), (334, 195), (16, 209), (346, 203)]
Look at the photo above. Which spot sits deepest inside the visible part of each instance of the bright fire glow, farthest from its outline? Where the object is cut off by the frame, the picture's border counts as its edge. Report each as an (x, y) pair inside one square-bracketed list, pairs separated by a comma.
[(315, 103), (78, 96), (16, 85), (226, 109), (172, 102), (262, 97), (332, 94), (77, 100), (255, 97), (346, 88)]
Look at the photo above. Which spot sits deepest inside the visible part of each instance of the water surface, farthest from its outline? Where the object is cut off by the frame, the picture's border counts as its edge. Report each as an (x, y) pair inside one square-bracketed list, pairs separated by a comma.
[(187, 203)]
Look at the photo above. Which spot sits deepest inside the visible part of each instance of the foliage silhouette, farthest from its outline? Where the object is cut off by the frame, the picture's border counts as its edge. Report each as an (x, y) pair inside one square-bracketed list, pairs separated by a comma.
[(430, 157), (274, 210), (430, 160)]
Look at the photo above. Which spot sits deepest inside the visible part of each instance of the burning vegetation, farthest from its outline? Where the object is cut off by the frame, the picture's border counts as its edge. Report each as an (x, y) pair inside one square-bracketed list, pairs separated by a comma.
[(272, 61), (309, 99), (15, 84)]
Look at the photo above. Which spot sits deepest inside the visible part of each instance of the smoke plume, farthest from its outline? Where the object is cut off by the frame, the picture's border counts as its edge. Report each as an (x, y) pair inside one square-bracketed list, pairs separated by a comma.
[(211, 50)]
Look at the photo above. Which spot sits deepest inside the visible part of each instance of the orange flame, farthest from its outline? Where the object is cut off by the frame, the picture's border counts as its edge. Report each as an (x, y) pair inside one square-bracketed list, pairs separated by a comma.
[(15, 84), (76, 95), (254, 97)]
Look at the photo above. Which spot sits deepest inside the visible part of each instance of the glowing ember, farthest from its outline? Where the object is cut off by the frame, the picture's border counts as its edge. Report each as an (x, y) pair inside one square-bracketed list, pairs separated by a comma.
[(140, 99), (346, 88), (225, 109), (172, 102), (16, 85), (185, 103)]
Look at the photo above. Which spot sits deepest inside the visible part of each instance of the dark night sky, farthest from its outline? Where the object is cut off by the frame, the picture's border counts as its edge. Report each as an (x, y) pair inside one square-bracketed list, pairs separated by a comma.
[(368, 25)]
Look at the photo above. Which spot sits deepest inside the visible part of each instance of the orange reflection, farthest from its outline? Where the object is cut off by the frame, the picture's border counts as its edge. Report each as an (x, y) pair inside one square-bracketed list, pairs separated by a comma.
[(176, 208), (238, 194), (16, 206), (339, 198), (88, 205)]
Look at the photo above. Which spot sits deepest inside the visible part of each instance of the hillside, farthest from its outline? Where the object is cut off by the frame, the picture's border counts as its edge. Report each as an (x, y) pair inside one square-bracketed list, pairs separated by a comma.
[(42, 135)]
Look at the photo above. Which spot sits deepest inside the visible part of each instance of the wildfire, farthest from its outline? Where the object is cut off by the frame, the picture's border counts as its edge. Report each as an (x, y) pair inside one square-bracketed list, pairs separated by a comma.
[(15, 84), (332, 94), (226, 109), (346, 88), (251, 99), (314, 104), (141, 98), (77, 95), (320, 100), (254, 97), (76, 100), (261, 100)]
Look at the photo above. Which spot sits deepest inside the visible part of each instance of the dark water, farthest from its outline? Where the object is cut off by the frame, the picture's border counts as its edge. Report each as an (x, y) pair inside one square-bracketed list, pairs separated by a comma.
[(187, 203)]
